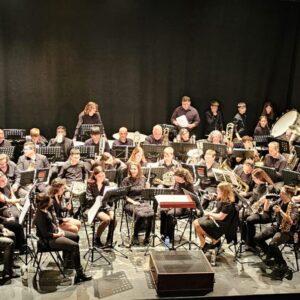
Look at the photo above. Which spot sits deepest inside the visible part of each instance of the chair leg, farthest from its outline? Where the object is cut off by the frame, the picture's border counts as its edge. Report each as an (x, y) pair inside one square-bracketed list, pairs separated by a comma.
[(38, 267), (296, 256), (183, 232), (57, 263)]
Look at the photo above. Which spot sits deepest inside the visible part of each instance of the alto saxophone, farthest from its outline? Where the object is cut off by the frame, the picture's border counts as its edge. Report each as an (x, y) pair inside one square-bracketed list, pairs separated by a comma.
[(286, 225)]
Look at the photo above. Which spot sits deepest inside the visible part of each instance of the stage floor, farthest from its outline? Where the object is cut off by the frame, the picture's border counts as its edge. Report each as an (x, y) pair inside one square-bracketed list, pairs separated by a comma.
[(130, 278)]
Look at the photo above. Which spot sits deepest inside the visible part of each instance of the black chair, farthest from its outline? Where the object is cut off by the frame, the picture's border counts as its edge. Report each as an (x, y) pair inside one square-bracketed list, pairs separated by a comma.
[(294, 246), (42, 248)]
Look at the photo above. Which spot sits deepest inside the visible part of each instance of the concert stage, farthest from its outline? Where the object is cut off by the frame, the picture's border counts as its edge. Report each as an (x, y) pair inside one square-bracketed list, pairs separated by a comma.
[(131, 279)]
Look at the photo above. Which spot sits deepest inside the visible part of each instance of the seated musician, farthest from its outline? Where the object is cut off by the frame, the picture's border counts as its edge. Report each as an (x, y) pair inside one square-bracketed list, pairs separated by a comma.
[(215, 137), (62, 206), (63, 142), (95, 188), (37, 138), (57, 239), (96, 140), (183, 180), (123, 140), (244, 171), (9, 213), (30, 161), (9, 168), (168, 160), (156, 138), (257, 201), (189, 112), (262, 127), (74, 169), (90, 115), (7, 246), (287, 216), (213, 118), (137, 157), (3, 141), (214, 224), (184, 136), (240, 120), (142, 211), (274, 159)]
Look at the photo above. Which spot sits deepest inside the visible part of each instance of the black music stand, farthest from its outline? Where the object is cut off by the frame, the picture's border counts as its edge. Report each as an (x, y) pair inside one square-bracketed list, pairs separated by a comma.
[(150, 194), (291, 177), (181, 150), (284, 146), (158, 171), (15, 134), (153, 152), (111, 175), (85, 130), (270, 171), (242, 153), (87, 152), (53, 153), (9, 151), (262, 140), (220, 149), (123, 152)]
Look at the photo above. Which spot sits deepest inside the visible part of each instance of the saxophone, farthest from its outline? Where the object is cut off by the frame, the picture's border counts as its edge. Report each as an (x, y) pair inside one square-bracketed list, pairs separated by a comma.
[(286, 225)]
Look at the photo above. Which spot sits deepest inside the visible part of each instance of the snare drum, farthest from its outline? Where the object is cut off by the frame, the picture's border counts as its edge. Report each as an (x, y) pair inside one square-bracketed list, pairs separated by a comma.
[(284, 122)]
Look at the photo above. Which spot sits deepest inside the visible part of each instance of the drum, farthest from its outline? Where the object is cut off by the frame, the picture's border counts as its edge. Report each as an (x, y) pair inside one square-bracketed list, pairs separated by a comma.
[(284, 122)]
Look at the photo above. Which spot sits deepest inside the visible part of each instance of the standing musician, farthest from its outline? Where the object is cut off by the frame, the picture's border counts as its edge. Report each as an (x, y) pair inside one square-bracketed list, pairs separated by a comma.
[(263, 185), (57, 239), (137, 157), (142, 211), (30, 161), (268, 111), (286, 214), (62, 141), (275, 159), (156, 137), (187, 110), (62, 206), (240, 120), (123, 140), (90, 115), (96, 185), (215, 224), (213, 118), (95, 140), (37, 138), (262, 127), (9, 213), (9, 168), (183, 180), (3, 141)]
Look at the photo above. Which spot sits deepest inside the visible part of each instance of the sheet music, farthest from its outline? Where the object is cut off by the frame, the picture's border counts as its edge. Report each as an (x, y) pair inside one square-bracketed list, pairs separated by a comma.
[(24, 210), (182, 121)]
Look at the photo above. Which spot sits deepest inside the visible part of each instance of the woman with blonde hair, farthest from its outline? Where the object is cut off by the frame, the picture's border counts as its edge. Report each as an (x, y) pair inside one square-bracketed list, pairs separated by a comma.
[(214, 224), (137, 156), (90, 115)]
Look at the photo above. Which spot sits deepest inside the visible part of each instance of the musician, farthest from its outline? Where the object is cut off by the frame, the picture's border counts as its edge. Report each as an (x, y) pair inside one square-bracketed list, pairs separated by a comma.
[(275, 159), (209, 161), (37, 138), (142, 211), (286, 214), (244, 171), (56, 238), (188, 111), (9, 214), (90, 115), (62, 141), (215, 224), (247, 144), (268, 111), (7, 246), (96, 186), (156, 137), (183, 180), (240, 119), (62, 206), (95, 140), (9, 168), (123, 140), (213, 118), (74, 169), (137, 157), (3, 141), (184, 136), (215, 137), (262, 127), (263, 185), (168, 160)]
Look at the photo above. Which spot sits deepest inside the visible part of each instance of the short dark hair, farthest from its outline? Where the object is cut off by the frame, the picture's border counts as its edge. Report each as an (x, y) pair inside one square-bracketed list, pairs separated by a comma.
[(95, 130), (42, 200)]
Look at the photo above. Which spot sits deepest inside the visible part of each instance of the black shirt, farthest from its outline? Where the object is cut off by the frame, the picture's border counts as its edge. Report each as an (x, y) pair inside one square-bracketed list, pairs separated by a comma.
[(213, 122), (45, 226), (228, 209)]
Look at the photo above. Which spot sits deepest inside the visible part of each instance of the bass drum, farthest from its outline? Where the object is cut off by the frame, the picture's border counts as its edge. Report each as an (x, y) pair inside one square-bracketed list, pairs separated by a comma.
[(284, 122)]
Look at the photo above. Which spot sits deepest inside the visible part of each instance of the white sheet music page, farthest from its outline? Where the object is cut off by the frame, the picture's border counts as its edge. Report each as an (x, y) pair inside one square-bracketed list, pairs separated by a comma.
[(182, 121)]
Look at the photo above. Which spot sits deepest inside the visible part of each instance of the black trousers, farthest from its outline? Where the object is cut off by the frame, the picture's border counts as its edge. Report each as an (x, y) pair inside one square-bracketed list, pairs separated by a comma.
[(7, 245), (251, 221), (278, 238), (70, 247), (17, 229), (168, 221)]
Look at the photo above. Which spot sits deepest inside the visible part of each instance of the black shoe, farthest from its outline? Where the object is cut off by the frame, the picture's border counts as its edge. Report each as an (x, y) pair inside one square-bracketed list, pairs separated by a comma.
[(269, 262), (280, 272), (289, 274), (9, 274), (81, 277), (135, 241), (146, 241), (98, 243)]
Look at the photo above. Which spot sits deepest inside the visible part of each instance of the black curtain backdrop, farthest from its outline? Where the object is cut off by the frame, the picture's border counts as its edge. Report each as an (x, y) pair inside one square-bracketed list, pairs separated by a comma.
[(137, 58)]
